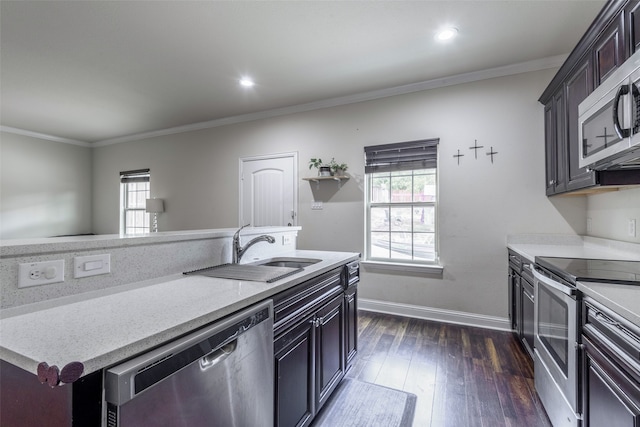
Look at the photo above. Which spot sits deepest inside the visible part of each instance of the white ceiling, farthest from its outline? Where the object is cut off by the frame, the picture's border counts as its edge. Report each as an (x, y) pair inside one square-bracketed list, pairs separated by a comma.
[(97, 70)]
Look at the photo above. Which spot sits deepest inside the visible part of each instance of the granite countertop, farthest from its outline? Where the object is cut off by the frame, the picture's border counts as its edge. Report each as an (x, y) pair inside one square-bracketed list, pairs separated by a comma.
[(622, 299), (105, 327), (574, 248)]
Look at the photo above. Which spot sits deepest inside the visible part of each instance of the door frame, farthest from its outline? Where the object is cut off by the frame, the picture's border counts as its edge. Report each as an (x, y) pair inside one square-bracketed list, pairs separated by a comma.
[(242, 160)]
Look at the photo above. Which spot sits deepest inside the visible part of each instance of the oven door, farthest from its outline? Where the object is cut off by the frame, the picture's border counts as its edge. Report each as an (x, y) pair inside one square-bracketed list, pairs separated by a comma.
[(556, 351)]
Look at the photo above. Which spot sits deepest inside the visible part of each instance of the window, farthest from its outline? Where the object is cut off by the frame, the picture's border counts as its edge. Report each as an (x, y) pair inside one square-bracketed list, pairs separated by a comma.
[(401, 206), (134, 192)]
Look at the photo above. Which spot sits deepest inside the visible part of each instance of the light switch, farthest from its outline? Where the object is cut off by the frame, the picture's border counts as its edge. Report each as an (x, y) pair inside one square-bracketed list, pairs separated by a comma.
[(91, 265)]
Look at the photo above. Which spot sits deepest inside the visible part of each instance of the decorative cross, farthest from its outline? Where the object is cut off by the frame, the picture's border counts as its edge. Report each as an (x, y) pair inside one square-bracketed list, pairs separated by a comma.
[(476, 147), (458, 156), (492, 153), (605, 136)]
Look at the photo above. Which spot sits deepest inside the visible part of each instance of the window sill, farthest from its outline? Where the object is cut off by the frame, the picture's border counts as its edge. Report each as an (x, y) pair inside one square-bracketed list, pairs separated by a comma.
[(427, 269)]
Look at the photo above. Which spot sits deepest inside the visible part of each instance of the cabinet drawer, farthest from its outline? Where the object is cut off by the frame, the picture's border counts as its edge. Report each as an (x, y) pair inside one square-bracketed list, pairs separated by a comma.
[(352, 273), (307, 296), (515, 261), (600, 321), (611, 395)]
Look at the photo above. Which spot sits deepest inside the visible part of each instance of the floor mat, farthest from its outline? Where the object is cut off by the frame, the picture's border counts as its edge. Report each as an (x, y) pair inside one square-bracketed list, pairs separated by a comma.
[(360, 404)]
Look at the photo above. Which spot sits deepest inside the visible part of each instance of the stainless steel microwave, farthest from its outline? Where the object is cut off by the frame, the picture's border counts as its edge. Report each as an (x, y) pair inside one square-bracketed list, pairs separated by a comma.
[(609, 120)]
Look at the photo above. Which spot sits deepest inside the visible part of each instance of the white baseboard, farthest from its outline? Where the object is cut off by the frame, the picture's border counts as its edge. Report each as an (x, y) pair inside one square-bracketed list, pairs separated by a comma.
[(435, 314)]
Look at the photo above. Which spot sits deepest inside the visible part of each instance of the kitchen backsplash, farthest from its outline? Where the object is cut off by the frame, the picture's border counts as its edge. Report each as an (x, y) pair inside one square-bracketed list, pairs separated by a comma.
[(132, 259)]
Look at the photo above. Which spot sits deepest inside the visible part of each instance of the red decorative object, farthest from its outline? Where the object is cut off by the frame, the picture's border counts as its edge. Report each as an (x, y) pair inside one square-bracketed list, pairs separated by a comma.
[(43, 369), (71, 372), (53, 376)]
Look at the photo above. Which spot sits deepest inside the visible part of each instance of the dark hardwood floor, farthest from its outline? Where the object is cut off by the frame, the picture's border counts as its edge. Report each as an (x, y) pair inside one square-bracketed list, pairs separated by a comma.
[(463, 376)]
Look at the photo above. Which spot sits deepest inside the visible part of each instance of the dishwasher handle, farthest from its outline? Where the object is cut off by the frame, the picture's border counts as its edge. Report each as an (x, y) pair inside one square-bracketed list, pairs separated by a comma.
[(219, 355)]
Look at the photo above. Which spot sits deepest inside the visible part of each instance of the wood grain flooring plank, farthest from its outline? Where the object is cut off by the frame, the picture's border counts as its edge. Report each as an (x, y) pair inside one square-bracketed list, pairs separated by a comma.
[(393, 372), (463, 376)]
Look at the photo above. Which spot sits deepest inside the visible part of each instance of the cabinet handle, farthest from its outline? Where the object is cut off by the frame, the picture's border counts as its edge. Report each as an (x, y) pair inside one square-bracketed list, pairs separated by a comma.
[(607, 320)]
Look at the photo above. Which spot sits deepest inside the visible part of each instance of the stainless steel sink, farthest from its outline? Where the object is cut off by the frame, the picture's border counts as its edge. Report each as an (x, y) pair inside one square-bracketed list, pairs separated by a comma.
[(266, 270), (290, 262), (251, 272)]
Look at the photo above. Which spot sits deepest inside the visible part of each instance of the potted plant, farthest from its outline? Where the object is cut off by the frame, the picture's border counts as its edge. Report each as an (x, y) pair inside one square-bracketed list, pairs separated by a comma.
[(323, 169), (338, 169)]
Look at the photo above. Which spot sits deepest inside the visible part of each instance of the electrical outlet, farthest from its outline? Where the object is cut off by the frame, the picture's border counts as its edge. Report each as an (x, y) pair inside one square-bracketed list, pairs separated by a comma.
[(40, 273), (287, 239), (632, 228), (316, 206)]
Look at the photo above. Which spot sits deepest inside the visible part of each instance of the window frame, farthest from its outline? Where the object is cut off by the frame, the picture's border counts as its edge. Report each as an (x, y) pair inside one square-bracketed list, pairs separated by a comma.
[(430, 266), (128, 179)]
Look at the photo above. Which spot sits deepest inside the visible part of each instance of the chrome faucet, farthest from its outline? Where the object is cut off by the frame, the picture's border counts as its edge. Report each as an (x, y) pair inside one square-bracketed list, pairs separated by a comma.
[(238, 250)]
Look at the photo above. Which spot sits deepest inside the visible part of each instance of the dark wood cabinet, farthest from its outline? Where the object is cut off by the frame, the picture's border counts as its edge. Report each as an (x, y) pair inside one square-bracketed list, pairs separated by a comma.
[(330, 332), (611, 368), (351, 323), (556, 176), (24, 401), (609, 51), (515, 294), (314, 342), (528, 312), (632, 26), (294, 375), (521, 308), (610, 40)]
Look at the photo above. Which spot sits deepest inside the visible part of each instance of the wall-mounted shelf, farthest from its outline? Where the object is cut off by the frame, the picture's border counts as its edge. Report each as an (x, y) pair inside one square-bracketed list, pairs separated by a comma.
[(318, 179)]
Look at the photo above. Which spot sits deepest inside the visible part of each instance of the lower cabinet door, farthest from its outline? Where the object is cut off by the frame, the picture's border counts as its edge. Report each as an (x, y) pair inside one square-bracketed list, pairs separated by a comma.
[(611, 398), (351, 319), (295, 376), (330, 352)]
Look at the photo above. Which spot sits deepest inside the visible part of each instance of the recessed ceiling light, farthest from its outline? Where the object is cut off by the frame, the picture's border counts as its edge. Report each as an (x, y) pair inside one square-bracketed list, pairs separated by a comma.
[(246, 82), (446, 33)]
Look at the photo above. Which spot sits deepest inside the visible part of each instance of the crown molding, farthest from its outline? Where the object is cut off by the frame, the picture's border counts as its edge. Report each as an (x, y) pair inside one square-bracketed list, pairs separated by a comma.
[(474, 76), (44, 136), (519, 68)]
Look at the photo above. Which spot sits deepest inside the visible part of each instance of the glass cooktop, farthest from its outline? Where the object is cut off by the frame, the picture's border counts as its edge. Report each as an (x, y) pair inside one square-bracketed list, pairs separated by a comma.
[(593, 270)]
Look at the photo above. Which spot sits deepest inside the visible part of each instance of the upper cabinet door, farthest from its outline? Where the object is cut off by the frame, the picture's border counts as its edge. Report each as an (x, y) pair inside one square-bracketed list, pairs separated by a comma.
[(609, 50), (632, 14)]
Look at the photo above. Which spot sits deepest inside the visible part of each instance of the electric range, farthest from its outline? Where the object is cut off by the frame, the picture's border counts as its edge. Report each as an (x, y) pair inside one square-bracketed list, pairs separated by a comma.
[(572, 270)]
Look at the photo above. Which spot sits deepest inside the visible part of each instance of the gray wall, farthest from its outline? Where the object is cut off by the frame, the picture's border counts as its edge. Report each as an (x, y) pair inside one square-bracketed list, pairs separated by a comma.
[(480, 202), (610, 214), (45, 188)]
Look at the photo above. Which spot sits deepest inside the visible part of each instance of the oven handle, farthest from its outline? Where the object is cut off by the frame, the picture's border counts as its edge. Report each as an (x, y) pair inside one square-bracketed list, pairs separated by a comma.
[(567, 290)]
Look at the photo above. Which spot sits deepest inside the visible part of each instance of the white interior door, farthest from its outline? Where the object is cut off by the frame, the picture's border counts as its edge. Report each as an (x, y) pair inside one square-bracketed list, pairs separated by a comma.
[(269, 190)]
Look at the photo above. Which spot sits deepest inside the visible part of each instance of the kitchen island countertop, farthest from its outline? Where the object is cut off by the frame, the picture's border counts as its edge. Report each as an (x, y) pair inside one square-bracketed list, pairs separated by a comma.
[(102, 328)]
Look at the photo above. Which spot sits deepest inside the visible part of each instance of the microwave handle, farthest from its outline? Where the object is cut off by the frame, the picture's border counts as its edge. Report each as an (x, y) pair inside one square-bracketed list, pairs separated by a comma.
[(635, 118), (622, 133)]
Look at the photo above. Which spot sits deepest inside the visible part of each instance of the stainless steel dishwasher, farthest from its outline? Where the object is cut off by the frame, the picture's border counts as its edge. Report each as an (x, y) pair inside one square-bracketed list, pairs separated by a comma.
[(220, 375)]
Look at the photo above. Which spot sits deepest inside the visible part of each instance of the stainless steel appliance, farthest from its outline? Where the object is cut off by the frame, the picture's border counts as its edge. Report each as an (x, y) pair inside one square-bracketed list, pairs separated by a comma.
[(220, 375), (556, 329), (556, 347), (609, 121)]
